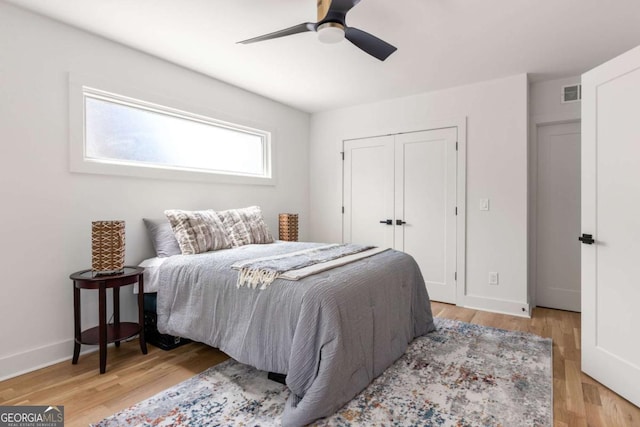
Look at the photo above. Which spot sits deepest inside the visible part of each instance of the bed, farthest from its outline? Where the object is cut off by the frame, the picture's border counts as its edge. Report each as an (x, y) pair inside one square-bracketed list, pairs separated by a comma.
[(330, 333)]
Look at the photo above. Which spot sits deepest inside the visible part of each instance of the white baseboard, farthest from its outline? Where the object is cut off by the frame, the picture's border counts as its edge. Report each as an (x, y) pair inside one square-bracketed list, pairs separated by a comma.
[(39, 357), (513, 308)]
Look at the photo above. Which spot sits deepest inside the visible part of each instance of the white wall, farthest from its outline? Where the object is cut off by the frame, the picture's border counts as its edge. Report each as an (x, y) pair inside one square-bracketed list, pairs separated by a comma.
[(497, 116), (545, 108), (47, 211), (545, 102)]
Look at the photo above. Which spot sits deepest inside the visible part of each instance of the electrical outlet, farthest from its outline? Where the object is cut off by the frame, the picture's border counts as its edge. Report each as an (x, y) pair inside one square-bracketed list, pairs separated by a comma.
[(493, 278)]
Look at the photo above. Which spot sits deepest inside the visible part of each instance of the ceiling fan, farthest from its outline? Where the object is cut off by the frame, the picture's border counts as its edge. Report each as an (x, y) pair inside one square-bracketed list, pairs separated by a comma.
[(332, 28)]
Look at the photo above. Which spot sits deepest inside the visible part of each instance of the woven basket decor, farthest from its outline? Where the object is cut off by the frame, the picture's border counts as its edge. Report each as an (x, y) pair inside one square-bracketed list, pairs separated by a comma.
[(107, 247), (288, 227)]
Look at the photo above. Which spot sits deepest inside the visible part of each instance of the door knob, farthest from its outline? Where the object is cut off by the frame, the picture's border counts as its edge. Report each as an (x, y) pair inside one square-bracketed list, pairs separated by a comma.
[(386, 221), (587, 239), (400, 222)]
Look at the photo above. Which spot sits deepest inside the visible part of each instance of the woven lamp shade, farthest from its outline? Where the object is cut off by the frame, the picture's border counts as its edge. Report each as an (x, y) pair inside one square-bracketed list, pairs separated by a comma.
[(107, 247), (288, 227)]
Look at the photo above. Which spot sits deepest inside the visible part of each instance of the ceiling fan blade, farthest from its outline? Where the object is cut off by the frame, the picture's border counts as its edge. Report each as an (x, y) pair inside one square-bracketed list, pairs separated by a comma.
[(342, 6), (301, 28), (369, 43)]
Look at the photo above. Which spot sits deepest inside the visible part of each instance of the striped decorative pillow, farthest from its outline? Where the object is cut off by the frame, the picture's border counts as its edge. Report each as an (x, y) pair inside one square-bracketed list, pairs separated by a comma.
[(197, 231), (245, 226)]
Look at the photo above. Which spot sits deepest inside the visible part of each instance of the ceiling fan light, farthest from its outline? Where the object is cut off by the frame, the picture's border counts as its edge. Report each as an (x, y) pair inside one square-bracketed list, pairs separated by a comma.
[(330, 32)]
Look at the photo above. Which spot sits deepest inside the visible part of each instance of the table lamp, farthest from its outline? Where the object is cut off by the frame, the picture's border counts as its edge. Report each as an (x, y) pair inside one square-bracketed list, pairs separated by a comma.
[(288, 227), (107, 247)]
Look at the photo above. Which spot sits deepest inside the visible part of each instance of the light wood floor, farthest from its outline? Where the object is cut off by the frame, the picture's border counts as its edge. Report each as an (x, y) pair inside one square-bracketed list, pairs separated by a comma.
[(131, 376)]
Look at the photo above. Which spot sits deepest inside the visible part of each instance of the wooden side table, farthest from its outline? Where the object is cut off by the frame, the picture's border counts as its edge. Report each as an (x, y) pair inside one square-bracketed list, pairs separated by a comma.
[(104, 333)]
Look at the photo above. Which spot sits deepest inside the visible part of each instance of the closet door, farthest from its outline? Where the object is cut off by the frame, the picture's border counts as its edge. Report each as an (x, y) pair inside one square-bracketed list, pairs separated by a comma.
[(368, 191), (425, 206)]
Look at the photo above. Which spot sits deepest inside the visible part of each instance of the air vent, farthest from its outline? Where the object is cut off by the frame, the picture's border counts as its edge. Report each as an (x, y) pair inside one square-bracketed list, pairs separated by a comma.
[(571, 93)]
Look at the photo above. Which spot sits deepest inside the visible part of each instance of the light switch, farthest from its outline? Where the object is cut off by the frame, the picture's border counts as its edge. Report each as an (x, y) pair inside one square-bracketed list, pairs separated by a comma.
[(484, 204)]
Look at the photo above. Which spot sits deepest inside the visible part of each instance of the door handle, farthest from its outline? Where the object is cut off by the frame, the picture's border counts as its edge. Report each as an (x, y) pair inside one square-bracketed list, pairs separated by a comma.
[(386, 221), (400, 222), (587, 239)]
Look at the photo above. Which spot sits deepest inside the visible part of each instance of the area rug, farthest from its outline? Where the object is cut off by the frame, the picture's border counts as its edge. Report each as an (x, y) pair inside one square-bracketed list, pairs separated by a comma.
[(459, 375)]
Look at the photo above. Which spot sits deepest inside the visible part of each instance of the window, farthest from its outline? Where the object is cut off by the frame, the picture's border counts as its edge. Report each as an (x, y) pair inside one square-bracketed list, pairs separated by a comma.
[(127, 136)]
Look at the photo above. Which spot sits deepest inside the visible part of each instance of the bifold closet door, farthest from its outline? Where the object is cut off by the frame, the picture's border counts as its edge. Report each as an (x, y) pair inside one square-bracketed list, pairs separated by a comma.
[(400, 192), (368, 191), (425, 206)]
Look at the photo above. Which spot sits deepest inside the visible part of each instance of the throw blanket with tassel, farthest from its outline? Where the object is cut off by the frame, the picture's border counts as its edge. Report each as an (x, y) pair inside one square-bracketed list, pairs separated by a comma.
[(263, 271)]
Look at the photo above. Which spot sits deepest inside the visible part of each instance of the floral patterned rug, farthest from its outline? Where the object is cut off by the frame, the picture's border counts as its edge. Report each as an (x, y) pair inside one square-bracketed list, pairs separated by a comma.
[(460, 375)]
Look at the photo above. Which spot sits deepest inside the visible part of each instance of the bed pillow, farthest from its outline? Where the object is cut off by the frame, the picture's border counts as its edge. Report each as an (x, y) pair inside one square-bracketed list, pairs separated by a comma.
[(197, 231), (162, 238), (245, 226)]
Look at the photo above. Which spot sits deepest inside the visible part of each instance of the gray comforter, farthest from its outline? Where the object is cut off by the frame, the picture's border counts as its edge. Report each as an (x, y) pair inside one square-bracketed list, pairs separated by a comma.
[(331, 333)]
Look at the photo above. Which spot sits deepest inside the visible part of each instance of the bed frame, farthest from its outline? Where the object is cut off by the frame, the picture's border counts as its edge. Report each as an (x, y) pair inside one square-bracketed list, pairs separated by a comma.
[(163, 341)]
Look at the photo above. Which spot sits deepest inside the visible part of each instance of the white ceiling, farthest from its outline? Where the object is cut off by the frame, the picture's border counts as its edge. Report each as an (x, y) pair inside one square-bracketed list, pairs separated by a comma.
[(441, 43)]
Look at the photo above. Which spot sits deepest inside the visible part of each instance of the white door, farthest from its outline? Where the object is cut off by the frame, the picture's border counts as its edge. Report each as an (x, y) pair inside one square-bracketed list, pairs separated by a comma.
[(400, 192), (558, 217), (426, 203), (368, 191), (611, 214)]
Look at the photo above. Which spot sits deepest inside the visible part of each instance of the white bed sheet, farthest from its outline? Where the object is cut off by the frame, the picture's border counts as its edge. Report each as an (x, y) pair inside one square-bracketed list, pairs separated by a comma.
[(150, 275)]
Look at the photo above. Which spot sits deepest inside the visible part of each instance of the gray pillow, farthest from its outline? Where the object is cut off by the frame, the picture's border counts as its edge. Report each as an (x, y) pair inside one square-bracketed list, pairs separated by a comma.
[(162, 237)]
